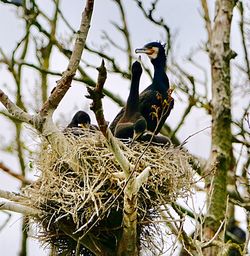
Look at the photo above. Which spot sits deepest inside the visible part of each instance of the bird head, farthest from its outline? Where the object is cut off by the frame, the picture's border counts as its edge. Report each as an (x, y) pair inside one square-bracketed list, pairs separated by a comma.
[(153, 50), (136, 68), (80, 119)]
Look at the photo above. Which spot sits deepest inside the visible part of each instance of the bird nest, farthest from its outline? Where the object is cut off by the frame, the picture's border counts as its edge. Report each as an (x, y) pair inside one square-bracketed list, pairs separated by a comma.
[(81, 191)]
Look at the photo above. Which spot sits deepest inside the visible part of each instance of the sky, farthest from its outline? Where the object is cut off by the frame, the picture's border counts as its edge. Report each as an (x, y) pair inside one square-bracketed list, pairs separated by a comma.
[(184, 19)]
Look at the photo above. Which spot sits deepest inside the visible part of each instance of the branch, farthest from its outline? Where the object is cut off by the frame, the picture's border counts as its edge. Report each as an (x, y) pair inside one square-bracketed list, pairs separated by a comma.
[(13, 174), (128, 242), (125, 32), (115, 67), (65, 82), (207, 20), (10, 196), (245, 143), (207, 244), (96, 95), (244, 43), (160, 22), (246, 250), (14, 207), (193, 134), (44, 118), (14, 110), (142, 177), (84, 79)]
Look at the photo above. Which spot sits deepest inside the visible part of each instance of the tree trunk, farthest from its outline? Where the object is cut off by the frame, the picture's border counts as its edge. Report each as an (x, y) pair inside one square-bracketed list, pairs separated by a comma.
[(128, 243), (221, 152)]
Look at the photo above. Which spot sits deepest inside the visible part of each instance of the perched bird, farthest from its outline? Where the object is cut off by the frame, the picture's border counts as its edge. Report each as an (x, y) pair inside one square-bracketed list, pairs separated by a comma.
[(234, 232), (80, 119), (132, 124), (236, 235), (155, 103)]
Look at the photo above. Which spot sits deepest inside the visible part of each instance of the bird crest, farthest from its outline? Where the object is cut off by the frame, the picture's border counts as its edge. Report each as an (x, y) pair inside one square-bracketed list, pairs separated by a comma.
[(162, 43)]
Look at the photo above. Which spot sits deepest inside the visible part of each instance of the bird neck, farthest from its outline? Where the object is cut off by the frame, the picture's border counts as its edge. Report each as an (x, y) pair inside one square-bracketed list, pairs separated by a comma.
[(133, 98), (160, 79)]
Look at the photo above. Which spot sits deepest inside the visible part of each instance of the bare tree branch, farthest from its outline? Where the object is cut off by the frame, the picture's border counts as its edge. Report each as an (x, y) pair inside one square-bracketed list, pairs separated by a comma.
[(2, 226), (242, 30), (10, 196), (4, 168), (64, 83), (14, 109), (207, 19), (160, 22), (14, 207)]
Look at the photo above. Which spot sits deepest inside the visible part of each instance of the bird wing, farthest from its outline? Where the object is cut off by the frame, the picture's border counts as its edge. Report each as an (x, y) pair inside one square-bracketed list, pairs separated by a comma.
[(116, 120)]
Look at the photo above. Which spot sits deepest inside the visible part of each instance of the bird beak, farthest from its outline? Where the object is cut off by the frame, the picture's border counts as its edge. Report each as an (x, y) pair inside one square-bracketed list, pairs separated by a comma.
[(82, 125), (144, 50)]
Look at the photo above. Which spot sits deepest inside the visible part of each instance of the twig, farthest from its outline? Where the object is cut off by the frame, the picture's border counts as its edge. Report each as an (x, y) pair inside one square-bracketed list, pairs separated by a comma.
[(207, 244), (160, 22), (13, 174), (6, 221), (115, 67), (244, 43), (125, 32), (190, 136)]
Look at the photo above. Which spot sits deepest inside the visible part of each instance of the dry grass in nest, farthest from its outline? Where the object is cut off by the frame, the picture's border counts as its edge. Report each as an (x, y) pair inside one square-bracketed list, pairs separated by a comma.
[(81, 187)]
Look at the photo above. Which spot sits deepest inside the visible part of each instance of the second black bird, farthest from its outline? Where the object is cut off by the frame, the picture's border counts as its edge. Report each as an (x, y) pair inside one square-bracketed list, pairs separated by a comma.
[(155, 103), (132, 124)]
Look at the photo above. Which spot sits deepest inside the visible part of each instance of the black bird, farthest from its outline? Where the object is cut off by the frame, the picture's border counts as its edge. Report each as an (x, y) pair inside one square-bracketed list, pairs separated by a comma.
[(234, 232), (155, 103), (80, 119), (132, 124)]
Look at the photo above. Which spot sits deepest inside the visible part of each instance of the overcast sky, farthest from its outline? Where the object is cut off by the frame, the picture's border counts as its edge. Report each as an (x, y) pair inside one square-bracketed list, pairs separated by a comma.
[(182, 16)]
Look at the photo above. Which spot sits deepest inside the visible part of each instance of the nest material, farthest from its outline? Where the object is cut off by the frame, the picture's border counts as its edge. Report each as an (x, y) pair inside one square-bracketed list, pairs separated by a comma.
[(82, 188)]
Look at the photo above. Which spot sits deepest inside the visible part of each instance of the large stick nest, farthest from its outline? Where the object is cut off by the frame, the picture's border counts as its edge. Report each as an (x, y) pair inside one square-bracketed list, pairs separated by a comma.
[(83, 188)]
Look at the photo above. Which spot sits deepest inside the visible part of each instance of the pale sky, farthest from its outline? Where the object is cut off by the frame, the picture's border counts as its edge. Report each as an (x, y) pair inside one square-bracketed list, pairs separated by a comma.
[(182, 16)]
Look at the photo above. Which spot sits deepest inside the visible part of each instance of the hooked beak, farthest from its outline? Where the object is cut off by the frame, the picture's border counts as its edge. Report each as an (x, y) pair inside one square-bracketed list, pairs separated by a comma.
[(144, 50)]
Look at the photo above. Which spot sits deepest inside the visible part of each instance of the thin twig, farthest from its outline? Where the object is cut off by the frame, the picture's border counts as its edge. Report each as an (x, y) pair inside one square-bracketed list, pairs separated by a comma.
[(193, 134), (4, 168)]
